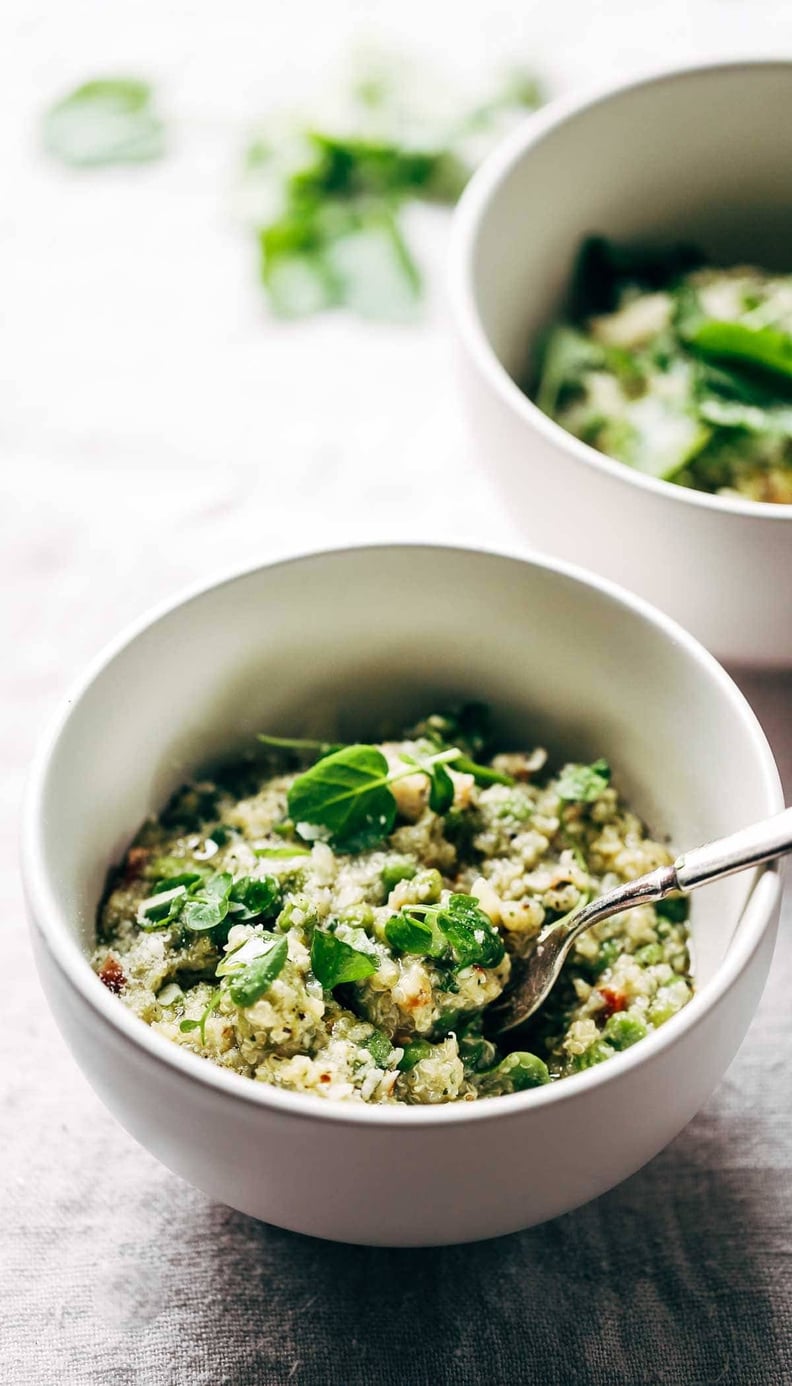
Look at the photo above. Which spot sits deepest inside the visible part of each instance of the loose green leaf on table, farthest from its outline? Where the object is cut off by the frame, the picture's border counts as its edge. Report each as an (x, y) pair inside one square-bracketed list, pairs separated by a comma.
[(111, 120)]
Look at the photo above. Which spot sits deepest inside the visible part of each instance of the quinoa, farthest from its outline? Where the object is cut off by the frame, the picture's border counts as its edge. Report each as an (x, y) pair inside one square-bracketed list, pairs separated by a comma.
[(223, 912), (682, 373)]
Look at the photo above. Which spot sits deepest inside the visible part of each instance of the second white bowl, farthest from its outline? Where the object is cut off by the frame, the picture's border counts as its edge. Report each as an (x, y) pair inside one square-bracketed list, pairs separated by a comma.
[(700, 155)]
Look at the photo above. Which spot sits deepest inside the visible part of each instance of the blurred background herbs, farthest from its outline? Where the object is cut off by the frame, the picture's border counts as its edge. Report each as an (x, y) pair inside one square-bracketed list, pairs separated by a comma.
[(325, 197), (111, 120)]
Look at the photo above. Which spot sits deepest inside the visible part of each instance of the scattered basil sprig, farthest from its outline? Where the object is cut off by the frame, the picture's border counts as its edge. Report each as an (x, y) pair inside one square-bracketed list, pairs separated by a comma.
[(459, 928), (187, 1025), (108, 121), (201, 902), (330, 230)]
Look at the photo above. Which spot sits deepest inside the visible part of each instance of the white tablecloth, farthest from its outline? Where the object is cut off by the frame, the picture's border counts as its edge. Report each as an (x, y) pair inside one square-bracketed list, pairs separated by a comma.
[(156, 427)]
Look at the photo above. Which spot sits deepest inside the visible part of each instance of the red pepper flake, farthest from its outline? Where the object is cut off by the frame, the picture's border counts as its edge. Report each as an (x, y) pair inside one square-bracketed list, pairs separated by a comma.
[(614, 1001), (136, 859), (112, 974)]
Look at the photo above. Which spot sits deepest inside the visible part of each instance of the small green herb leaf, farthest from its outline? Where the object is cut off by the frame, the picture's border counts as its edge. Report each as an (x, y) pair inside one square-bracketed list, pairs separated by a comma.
[(459, 928), (248, 983), (414, 1052), (187, 1025), (441, 786), (108, 121), (346, 794), (334, 961), (163, 907), (765, 348), (209, 906), (187, 879), (409, 933), (254, 898), (583, 783), (379, 1047), (471, 934)]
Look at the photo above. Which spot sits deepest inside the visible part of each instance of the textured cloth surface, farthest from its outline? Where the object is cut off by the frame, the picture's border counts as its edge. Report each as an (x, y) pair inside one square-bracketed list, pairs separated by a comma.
[(158, 428)]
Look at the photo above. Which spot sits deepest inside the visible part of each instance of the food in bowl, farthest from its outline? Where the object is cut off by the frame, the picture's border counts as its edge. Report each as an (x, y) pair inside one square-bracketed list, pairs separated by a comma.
[(678, 369), (342, 930)]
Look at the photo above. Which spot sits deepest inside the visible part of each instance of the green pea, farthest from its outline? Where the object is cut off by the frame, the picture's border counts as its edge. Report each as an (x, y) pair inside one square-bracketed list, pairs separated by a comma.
[(362, 916), (624, 1029), (395, 870), (428, 886), (595, 1054), (649, 955)]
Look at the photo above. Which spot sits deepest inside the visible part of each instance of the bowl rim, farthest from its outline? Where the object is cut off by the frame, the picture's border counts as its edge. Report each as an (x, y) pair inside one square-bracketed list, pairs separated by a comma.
[(469, 214), (49, 920)]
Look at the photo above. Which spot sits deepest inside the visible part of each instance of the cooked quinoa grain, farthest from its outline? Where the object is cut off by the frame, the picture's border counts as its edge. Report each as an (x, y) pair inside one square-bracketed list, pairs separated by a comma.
[(355, 959)]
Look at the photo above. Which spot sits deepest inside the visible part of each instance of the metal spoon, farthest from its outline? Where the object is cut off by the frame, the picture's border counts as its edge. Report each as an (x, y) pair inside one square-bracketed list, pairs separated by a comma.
[(534, 977)]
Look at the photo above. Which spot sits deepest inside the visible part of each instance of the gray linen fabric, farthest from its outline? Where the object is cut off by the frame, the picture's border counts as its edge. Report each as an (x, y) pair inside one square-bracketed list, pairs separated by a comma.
[(114, 1271)]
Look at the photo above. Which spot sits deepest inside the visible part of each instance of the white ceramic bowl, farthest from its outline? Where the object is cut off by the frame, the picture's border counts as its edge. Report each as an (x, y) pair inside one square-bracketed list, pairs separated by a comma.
[(701, 155), (337, 641)]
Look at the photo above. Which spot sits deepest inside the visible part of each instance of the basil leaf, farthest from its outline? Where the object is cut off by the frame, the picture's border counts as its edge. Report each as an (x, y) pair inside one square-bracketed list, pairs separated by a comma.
[(248, 983), (470, 932), (409, 933), (347, 794), (775, 420), (252, 898), (334, 961), (583, 783), (765, 348), (441, 790), (379, 1047), (108, 121), (209, 907), (187, 879), (567, 356), (414, 1052), (441, 786)]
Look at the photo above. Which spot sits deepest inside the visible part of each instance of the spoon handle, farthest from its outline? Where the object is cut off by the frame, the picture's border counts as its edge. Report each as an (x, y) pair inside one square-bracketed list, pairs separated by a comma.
[(761, 842)]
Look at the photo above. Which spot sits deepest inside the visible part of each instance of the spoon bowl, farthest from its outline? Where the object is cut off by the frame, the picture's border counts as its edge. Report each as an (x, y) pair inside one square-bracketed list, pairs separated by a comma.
[(534, 978)]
